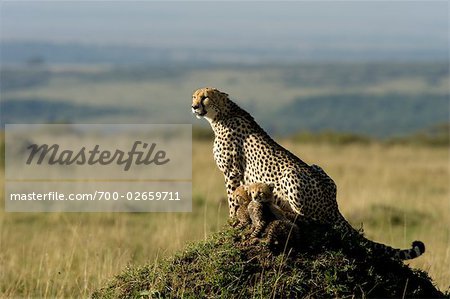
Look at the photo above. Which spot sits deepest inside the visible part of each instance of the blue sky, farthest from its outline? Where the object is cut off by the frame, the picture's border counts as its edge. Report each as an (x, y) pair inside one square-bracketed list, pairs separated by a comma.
[(230, 24)]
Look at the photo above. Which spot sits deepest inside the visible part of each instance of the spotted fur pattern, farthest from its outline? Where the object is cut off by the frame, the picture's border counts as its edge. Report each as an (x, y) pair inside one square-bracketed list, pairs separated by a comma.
[(282, 233), (246, 154), (267, 216), (256, 207)]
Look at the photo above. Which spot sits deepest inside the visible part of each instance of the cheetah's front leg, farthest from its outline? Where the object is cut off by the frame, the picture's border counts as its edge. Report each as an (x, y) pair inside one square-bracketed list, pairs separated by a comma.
[(232, 181), (258, 228)]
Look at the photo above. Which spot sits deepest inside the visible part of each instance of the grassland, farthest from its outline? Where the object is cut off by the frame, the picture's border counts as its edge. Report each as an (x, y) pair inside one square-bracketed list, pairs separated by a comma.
[(400, 193)]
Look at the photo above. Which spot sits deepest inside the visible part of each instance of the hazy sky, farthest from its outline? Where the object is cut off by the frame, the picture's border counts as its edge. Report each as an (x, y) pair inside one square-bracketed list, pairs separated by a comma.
[(230, 24)]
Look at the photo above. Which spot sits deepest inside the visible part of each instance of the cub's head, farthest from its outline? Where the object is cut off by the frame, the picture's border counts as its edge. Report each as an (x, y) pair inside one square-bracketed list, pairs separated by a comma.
[(241, 196), (208, 102), (241, 199), (261, 192)]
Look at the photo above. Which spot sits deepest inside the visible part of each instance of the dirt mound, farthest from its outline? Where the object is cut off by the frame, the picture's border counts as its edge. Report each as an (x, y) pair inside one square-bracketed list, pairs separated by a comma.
[(226, 266)]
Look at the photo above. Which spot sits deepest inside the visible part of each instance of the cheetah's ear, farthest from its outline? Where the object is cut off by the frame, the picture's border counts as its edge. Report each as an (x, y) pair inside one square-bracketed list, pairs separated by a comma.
[(271, 186)]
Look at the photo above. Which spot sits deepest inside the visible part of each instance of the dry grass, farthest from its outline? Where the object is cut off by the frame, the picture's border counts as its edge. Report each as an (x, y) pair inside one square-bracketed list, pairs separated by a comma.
[(400, 193)]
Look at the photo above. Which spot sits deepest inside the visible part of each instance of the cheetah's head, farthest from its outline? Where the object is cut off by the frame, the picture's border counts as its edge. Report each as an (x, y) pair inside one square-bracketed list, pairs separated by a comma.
[(208, 102), (261, 192)]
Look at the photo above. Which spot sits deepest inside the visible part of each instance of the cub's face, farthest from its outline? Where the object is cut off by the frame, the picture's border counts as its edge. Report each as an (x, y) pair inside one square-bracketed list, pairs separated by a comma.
[(241, 196), (260, 192), (207, 102)]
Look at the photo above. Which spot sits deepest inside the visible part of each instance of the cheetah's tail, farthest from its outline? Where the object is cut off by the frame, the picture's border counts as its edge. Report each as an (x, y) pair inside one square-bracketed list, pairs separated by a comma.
[(417, 247)]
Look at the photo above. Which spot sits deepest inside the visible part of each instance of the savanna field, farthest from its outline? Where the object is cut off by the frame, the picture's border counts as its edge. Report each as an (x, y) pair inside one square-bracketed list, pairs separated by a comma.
[(360, 89), (397, 193)]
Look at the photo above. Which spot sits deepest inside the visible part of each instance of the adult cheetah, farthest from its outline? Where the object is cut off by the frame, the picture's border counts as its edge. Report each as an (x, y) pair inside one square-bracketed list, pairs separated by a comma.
[(246, 154)]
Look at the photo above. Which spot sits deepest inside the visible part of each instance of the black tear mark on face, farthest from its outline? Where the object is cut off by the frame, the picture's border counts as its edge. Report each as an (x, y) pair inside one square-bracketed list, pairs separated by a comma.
[(202, 105)]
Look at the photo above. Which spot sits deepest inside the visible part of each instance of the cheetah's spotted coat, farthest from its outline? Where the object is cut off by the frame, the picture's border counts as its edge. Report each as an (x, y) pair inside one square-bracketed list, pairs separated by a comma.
[(246, 154), (256, 207)]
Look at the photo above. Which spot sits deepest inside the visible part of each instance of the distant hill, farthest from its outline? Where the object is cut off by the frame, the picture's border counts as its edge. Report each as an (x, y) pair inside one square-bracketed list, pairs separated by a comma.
[(77, 53), (381, 116), (13, 52), (35, 110), (376, 99)]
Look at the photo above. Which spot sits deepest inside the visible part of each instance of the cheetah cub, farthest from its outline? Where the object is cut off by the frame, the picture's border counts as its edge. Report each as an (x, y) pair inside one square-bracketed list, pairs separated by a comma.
[(281, 233), (242, 198), (261, 208), (267, 216), (256, 207)]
